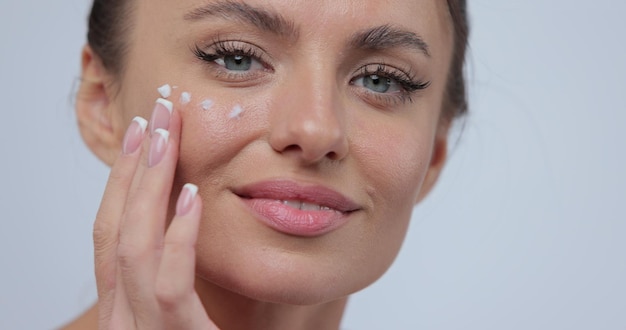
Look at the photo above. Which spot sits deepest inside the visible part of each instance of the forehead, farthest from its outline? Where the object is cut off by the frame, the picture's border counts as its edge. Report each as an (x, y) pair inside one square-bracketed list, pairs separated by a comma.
[(321, 18)]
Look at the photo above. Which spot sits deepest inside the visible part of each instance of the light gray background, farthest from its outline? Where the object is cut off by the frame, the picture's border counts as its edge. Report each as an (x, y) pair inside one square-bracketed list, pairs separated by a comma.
[(525, 230)]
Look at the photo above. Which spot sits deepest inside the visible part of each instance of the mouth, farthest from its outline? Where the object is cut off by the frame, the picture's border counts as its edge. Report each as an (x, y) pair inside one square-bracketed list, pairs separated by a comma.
[(295, 209)]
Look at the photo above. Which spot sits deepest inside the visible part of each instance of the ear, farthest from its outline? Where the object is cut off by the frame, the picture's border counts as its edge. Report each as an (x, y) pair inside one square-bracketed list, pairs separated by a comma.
[(437, 160), (94, 108)]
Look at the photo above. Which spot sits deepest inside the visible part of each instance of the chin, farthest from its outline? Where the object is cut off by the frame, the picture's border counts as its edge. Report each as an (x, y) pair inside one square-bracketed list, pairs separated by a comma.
[(240, 251), (284, 277)]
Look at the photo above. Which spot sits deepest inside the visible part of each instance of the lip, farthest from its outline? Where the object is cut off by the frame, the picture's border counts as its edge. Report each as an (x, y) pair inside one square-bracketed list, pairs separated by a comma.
[(267, 199)]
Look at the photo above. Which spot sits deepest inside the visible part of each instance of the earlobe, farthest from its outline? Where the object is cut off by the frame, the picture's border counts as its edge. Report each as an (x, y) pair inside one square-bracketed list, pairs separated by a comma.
[(94, 108), (437, 161)]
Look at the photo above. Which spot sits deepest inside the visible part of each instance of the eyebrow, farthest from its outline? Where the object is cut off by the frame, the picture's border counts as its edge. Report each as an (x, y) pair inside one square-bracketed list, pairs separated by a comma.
[(257, 17), (385, 37), (377, 38)]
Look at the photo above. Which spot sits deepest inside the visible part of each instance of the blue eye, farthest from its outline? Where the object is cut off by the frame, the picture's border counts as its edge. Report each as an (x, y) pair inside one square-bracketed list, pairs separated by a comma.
[(237, 62), (385, 85), (232, 56), (377, 83)]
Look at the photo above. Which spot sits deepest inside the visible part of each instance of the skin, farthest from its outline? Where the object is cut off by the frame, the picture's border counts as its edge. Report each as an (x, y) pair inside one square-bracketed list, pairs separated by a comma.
[(305, 120)]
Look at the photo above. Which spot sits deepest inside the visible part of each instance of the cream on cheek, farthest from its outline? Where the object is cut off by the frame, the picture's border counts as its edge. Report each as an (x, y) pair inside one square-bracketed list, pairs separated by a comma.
[(235, 112), (185, 98), (206, 104), (216, 127), (165, 91)]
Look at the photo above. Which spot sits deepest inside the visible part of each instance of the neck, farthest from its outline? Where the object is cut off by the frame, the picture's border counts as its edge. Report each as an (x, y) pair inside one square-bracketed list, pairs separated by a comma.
[(230, 310)]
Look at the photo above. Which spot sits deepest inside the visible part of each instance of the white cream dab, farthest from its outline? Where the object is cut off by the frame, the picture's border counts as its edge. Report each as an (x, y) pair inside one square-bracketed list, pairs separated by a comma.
[(185, 98), (165, 91), (237, 110), (207, 104)]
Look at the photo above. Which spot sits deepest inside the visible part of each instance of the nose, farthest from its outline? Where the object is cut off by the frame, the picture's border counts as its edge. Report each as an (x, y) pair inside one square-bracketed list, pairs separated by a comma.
[(308, 122)]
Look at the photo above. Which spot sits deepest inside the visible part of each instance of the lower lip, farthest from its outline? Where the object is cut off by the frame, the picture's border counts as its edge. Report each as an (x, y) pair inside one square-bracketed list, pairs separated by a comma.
[(292, 221)]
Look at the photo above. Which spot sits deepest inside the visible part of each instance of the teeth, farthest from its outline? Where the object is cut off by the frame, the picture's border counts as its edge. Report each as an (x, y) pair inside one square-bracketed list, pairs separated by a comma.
[(294, 204), (305, 206), (310, 207)]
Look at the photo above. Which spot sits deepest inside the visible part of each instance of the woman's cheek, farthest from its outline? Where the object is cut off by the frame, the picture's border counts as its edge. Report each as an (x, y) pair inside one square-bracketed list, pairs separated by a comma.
[(397, 166), (215, 131), (395, 163)]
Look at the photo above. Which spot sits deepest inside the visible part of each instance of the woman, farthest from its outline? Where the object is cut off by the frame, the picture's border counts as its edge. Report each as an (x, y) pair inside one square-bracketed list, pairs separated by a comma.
[(281, 162)]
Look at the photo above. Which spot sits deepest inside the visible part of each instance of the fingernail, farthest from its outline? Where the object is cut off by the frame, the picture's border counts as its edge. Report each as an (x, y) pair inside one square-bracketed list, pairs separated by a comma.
[(161, 115), (134, 135), (158, 146), (185, 200)]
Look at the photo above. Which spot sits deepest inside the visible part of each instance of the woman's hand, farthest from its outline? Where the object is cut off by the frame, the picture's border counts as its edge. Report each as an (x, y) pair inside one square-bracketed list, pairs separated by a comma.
[(145, 273)]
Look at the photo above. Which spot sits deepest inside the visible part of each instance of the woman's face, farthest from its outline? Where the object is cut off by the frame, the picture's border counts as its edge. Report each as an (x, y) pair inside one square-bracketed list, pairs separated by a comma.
[(308, 191)]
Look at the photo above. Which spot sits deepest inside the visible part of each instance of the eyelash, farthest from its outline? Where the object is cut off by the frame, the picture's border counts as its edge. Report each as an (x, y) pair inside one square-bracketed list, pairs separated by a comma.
[(404, 78), (223, 48)]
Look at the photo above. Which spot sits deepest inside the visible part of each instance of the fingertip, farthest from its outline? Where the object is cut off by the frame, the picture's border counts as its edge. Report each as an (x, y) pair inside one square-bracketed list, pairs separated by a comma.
[(167, 104), (142, 123), (158, 146), (193, 189), (134, 135), (186, 199)]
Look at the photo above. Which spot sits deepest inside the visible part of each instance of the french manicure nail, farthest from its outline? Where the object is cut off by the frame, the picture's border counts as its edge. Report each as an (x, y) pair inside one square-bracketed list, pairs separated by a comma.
[(185, 200), (134, 135), (161, 115), (158, 146)]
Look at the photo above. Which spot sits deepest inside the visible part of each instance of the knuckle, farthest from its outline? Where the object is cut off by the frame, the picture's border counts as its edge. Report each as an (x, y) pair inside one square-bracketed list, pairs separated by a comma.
[(130, 256), (103, 236), (105, 275), (169, 294)]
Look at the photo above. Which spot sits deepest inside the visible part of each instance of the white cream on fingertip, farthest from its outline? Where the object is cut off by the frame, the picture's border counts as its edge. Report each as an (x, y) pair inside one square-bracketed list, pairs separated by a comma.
[(142, 123), (167, 104), (165, 91), (185, 98), (236, 112)]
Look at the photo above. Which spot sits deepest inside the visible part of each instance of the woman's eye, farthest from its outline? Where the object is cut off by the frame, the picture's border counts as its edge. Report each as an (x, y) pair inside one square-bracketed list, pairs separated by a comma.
[(238, 63), (377, 83)]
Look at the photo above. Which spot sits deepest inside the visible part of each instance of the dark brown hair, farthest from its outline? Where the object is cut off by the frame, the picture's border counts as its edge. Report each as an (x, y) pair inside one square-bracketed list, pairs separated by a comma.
[(455, 102), (109, 30)]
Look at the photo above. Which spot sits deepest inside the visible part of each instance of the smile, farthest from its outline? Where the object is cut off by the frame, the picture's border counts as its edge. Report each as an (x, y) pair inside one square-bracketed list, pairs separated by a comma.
[(296, 209)]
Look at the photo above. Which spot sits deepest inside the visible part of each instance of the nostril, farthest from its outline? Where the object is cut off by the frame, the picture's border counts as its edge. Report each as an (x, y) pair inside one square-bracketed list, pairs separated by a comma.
[(309, 154), (332, 155), (291, 148)]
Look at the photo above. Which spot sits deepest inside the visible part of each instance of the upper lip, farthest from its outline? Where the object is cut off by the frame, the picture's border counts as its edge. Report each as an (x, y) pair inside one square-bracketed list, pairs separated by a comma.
[(287, 190)]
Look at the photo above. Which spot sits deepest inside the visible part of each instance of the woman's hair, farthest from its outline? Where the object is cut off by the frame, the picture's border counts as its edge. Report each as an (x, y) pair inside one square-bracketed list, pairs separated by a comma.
[(109, 31)]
